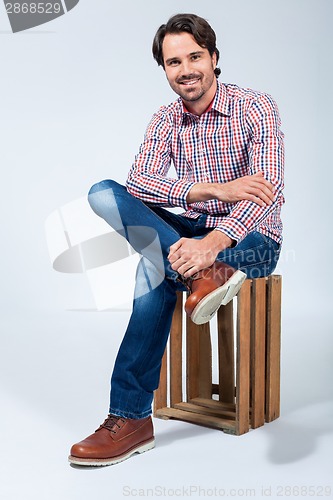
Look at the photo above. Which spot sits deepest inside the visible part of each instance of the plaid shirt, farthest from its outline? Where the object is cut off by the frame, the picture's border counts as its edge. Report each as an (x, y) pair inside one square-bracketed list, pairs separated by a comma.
[(238, 135)]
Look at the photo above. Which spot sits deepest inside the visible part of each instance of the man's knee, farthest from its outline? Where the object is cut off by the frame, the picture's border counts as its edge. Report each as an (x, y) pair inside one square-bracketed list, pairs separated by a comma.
[(104, 194), (103, 185)]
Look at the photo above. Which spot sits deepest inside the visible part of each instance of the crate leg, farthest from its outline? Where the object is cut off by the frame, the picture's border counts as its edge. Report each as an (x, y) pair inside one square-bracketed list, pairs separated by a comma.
[(273, 341), (258, 332), (243, 359)]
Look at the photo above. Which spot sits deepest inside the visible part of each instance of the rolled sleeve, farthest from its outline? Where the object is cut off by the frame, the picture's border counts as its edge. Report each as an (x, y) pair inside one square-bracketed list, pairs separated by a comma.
[(178, 194), (233, 228)]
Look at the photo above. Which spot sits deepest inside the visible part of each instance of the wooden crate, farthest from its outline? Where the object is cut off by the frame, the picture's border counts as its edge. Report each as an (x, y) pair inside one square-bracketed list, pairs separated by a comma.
[(248, 390)]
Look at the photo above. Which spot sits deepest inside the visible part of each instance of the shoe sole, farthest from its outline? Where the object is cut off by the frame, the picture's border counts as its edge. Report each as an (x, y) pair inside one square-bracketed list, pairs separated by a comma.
[(99, 462), (207, 307)]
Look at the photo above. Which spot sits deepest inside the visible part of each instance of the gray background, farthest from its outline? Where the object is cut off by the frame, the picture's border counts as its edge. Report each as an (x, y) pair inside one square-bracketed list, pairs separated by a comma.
[(76, 96)]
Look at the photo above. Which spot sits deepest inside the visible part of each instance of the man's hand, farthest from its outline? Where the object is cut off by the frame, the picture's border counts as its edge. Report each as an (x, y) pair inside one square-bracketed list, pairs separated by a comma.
[(250, 187), (189, 255)]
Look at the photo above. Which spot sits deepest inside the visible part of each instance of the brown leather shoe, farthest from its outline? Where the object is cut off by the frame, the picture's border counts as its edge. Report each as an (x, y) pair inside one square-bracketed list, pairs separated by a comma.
[(210, 288), (114, 441)]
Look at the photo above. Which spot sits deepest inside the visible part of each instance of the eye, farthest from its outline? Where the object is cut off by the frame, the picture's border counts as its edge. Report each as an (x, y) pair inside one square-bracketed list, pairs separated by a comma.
[(195, 57), (174, 62)]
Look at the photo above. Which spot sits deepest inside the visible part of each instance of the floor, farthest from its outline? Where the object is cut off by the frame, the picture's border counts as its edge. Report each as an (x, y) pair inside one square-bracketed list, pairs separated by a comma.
[(56, 375)]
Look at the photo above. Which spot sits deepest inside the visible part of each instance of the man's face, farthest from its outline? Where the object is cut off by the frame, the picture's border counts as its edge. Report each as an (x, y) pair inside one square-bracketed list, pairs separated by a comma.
[(189, 68)]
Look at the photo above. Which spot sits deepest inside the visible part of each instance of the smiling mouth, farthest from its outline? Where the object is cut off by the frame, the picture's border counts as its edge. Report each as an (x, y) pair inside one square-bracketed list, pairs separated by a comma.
[(190, 82)]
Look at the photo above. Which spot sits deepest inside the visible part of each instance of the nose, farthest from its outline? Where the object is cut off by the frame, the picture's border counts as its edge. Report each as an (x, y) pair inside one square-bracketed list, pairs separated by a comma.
[(186, 68)]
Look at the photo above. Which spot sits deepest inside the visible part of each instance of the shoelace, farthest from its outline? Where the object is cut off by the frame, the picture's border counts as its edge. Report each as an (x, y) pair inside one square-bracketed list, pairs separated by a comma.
[(187, 282), (110, 422)]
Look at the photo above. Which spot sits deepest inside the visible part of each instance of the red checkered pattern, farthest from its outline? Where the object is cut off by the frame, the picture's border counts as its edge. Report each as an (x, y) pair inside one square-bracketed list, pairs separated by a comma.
[(239, 135)]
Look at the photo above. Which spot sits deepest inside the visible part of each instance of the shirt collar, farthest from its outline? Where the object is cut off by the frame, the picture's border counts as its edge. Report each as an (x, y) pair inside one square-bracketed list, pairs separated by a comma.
[(220, 102)]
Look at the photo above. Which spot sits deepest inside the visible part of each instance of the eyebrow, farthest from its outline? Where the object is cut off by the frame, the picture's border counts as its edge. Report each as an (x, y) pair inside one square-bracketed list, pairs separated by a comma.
[(197, 52)]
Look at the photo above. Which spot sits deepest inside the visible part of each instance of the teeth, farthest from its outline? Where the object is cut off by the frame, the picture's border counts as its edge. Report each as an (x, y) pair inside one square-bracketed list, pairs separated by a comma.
[(191, 82)]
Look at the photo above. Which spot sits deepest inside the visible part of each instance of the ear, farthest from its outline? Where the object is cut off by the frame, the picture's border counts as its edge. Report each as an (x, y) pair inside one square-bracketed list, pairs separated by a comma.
[(214, 60)]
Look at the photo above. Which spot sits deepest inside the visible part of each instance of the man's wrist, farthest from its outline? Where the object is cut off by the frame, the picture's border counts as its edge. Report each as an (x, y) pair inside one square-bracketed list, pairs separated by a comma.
[(219, 240), (201, 191)]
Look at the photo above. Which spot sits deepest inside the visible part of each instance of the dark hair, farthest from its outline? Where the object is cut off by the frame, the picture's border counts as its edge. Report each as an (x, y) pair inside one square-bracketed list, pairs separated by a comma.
[(198, 27)]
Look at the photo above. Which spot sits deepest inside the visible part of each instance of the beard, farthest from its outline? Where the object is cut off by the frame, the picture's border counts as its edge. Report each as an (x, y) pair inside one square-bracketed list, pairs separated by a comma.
[(191, 95), (195, 92)]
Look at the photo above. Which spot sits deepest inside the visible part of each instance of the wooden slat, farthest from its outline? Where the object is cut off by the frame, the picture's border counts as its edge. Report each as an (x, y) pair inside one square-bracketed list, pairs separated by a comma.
[(196, 418), (226, 360), (176, 352), (273, 341), (212, 403), (198, 360), (160, 395), (243, 359), (206, 410), (205, 362), (258, 333), (192, 359)]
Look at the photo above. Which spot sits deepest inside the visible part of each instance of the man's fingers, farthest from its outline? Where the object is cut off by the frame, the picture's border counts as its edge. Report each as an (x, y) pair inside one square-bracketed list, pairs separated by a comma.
[(257, 200), (174, 248), (265, 194), (190, 272), (187, 268), (262, 189), (259, 178)]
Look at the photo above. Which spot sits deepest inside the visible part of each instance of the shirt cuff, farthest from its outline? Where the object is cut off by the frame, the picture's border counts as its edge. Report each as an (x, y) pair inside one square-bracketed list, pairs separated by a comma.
[(178, 194), (233, 228)]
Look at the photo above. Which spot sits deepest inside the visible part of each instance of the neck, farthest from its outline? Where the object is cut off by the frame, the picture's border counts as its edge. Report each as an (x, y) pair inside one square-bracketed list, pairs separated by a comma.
[(200, 106)]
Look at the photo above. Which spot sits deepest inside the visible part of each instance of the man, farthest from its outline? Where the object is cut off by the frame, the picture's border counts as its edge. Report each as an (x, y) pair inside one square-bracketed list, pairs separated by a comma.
[(227, 149)]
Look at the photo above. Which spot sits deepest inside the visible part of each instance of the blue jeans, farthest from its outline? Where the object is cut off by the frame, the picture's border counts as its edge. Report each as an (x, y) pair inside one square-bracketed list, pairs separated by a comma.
[(151, 231)]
